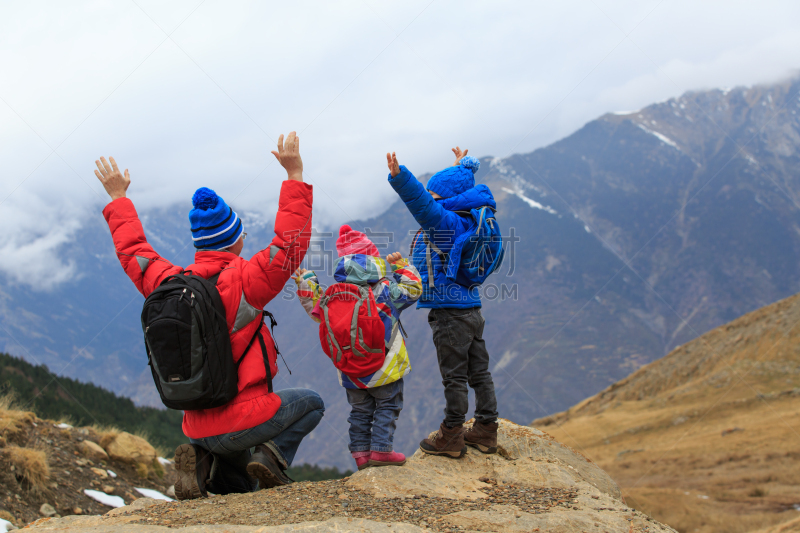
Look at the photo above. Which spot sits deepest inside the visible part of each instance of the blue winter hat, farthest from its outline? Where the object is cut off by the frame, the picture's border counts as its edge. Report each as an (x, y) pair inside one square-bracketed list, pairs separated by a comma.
[(214, 225), (452, 181)]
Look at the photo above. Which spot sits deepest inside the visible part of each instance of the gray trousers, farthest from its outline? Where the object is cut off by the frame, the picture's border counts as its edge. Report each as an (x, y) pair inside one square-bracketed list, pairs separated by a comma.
[(463, 361)]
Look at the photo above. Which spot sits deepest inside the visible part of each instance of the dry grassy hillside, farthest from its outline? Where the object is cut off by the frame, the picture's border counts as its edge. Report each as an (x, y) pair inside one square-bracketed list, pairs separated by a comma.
[(706, 439)]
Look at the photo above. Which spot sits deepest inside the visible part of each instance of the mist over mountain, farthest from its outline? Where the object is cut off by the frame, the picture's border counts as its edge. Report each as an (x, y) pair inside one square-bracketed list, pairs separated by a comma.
[(634, 235)]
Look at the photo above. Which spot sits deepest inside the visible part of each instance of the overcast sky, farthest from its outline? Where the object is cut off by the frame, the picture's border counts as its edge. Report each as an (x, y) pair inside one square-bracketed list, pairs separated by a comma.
[(194, 93)]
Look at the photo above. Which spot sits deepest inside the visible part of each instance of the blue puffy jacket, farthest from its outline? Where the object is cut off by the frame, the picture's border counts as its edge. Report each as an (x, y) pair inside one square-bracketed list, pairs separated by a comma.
[(443, 226)]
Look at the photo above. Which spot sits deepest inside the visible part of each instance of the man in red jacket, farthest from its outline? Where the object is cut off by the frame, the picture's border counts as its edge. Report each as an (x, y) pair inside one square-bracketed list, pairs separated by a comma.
[(218, 458)]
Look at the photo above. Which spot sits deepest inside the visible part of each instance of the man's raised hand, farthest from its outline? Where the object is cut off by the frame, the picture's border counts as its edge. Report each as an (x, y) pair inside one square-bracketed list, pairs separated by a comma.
[(459, 155), (394, 166), (114, 182), (288, 155)]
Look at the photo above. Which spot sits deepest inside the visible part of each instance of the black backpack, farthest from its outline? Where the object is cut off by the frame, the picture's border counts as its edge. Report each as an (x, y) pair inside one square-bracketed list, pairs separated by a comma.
[(188, 346)]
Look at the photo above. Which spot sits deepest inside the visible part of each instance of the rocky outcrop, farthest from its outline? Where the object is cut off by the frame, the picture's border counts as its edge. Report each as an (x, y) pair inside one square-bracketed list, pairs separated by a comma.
[(339, 525), (526, 457), (92, 451), (129, 448), (534, 483)]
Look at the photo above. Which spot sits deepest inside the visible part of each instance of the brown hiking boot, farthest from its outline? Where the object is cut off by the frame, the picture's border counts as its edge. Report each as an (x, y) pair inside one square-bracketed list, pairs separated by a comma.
[(264, 466), (447, 441), (482, 436), (193, 465)]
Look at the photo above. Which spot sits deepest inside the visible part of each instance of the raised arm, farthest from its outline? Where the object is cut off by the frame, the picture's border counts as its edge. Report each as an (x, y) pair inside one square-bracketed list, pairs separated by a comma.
[(269, 270), (309, 291), (405, 285), (431, 216), (141, 263)]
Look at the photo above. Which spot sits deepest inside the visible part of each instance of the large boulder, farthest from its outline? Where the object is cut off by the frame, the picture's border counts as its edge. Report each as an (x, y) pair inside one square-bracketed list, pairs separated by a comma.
[(129, 448), (526, 457)]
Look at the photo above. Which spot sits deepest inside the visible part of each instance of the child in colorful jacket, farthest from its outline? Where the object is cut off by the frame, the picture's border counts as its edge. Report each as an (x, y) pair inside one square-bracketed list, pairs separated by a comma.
[(375, 399)]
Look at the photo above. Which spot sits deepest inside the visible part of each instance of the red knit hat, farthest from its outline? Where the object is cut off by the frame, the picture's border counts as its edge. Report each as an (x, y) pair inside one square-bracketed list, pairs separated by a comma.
[(351, 242)]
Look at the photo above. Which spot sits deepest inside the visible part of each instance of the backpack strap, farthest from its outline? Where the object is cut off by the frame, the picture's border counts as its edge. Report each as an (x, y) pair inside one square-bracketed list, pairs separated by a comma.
[(266, 359), (272, 324), (414, 242), (355, 332), (402, 329), (428, 246), (332, 342), (264, 351)]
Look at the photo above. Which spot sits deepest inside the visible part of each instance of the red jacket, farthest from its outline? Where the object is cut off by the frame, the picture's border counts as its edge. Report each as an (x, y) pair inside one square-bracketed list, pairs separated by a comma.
[(245, 287)]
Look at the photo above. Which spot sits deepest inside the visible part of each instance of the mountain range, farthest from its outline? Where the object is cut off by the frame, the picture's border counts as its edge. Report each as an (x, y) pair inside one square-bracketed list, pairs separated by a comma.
[(635, 234)]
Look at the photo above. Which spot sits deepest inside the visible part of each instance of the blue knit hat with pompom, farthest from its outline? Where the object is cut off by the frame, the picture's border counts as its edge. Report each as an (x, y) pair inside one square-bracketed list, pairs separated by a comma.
[(214, 225), (452, 181)]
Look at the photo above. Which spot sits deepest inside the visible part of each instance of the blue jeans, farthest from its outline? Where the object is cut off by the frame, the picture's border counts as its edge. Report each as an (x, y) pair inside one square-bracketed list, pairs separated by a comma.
[(373, 417), (300, 412)]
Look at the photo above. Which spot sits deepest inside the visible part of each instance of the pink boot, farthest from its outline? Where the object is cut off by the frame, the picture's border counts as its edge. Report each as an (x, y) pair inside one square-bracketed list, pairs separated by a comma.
[(387, 459), (362, 459)]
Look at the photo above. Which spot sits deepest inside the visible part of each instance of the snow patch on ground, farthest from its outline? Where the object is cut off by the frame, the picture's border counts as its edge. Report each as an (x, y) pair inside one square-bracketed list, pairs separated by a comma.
[(622, 113), (530, 201), (164, 461), (150, 493), (62, 425), (663, 138), (6, 526), (105, 499), (112, 474)]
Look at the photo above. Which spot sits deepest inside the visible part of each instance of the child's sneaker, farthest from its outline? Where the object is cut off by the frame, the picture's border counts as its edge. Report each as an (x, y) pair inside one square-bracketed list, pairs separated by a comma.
[(387, 459), (362, 459)]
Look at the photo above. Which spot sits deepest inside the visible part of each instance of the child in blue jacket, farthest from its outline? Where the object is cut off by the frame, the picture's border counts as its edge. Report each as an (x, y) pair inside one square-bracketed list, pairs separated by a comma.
[(455, 310)]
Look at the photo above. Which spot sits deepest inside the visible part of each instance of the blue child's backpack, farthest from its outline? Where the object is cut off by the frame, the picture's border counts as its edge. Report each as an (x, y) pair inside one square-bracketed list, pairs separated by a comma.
[(475, 254)]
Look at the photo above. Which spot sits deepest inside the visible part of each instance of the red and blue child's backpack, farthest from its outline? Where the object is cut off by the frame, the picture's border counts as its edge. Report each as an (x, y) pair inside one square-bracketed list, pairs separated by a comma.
[(351, 332)]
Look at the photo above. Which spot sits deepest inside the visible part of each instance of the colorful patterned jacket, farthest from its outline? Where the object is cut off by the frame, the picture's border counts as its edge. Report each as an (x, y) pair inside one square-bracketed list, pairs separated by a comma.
[(393, 293)]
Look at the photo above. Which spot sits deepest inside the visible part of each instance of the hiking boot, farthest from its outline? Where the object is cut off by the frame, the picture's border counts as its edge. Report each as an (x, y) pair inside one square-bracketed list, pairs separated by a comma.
[(264, 466), (447, 441), (362, 459), (193, 465), (482, 436), (387, 459)]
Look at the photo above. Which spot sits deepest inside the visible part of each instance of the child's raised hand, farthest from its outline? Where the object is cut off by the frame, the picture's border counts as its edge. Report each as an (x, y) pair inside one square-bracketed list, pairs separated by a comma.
[(394, 258), (394, 166), (299, 274), (459, 155)]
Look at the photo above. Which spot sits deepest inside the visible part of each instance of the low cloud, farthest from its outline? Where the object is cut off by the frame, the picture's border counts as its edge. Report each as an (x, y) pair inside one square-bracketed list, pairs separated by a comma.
[(204, 105)]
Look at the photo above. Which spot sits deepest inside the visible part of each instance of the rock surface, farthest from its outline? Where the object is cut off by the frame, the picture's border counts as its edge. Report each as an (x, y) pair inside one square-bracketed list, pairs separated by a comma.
[(526, 457), (130, 449), (98, 525), (533, 484), (92, 451), (47, 510)]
